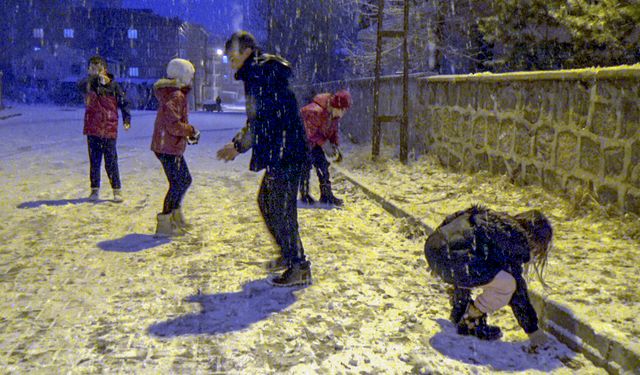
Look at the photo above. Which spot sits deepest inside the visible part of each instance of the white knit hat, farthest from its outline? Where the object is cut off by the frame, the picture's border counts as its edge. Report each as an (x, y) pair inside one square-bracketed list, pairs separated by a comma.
[(181, 70)]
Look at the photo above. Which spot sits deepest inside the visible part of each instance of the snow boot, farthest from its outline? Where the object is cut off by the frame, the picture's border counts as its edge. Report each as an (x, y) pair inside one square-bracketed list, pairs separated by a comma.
[(460, 300), (275, 265), (95, 195), (296, 274), (166, 227), (327, 197), (305, 197), (178, 219), (472, 324), (117, 195)]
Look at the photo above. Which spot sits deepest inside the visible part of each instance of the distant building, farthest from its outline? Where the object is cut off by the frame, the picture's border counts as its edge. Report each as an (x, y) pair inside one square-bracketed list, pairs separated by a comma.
[(48, 47)]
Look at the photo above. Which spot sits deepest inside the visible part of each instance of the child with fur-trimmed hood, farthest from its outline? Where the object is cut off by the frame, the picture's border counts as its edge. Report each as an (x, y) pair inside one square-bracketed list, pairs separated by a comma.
[(171, 134)]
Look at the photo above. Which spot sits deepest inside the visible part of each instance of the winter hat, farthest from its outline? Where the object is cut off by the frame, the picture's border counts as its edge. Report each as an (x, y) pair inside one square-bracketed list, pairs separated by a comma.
[(341, 100), (181, 70)]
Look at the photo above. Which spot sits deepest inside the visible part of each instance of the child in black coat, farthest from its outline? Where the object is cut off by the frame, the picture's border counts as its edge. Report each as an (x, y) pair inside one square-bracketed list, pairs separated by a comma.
[(482, 248)]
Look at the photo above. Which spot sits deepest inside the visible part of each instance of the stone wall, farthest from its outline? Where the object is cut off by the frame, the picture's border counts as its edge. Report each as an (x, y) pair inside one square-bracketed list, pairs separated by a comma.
[(563, 130)]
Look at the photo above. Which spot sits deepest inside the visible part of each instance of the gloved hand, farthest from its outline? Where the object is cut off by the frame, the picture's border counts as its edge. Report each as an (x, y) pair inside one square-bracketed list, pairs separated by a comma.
[(329, 149), (338, 157), (537, 340), (127, 125), (195, 138)]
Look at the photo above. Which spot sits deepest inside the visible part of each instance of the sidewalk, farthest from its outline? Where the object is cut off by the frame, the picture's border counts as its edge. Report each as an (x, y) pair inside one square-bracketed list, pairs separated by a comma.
[(594, 303)]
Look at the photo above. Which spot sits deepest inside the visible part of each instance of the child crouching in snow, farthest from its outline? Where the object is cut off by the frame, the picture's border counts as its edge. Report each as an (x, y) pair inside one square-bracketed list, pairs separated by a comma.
[(171, 133), (482, 248)]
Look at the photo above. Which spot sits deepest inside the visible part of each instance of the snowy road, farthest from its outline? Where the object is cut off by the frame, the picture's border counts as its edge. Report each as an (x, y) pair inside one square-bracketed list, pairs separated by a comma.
[(85, 287)]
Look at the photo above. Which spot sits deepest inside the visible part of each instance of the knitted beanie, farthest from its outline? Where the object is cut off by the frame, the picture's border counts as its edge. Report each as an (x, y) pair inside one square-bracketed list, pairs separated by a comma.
[(341, 100)]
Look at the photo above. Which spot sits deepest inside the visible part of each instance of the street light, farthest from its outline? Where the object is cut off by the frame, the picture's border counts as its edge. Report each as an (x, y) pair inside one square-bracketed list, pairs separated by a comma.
[(215, 75)]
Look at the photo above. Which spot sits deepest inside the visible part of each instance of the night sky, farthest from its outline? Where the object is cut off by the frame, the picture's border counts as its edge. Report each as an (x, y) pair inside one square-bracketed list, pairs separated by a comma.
[(219, 17)]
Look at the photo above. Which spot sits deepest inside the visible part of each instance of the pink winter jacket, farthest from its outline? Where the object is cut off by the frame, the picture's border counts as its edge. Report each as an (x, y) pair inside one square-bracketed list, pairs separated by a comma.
[(172, 127), (318, 124)]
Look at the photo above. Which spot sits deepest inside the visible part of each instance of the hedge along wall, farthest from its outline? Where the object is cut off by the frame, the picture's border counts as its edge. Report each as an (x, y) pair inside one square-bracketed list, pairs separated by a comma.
[(559, 129)]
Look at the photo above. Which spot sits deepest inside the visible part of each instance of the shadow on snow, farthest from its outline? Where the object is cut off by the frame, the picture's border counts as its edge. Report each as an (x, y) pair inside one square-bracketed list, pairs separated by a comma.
[(498, 355), (133, 242), (58, 202), (228, 312)]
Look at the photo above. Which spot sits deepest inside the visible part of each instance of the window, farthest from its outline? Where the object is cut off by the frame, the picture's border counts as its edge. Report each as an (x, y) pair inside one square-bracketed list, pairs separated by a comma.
[(133, 71), (133, 34), (68, 33), (38, 33)]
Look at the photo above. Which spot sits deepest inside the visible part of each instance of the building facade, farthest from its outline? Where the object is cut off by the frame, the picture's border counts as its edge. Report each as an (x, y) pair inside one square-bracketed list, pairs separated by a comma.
[(48, 48)]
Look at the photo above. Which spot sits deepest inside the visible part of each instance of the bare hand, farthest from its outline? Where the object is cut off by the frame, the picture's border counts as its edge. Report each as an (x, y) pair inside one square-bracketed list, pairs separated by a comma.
[(227, 153)]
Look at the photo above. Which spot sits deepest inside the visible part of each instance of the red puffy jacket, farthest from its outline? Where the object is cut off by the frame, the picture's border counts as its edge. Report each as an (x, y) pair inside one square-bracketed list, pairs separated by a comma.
[(102, 103), (318, 124), (172, 127)]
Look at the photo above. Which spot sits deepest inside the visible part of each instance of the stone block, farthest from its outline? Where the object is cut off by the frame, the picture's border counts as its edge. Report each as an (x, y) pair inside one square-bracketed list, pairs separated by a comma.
[(607, 195), (613, 161), (479, 134), (432, 94), (563, 104), (506, 98), (543, 143), (630, 118), (603, 120), (580, 101), (464, 94), (485, 99), (481, 161), (551, 180), (523, 140), (532, 175), (500, 136), (632, 202), (574, 184), (497, 165), (567, 151), (590, 155)]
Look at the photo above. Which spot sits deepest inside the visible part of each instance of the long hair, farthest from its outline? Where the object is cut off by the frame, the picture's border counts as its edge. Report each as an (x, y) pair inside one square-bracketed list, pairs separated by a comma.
[(540, 235)]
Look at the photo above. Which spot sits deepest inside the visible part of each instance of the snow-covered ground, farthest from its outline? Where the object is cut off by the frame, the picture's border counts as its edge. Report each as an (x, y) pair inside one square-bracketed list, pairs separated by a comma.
[(86, 288)]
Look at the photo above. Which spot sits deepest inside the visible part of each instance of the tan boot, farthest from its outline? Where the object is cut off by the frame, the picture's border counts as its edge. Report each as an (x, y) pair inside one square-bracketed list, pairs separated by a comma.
[(178, 219), (166, 227)]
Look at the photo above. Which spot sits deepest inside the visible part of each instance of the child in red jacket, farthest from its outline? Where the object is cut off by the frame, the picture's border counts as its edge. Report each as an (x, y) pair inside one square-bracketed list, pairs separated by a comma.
[(321, 120), (103, 96), (171, 134)]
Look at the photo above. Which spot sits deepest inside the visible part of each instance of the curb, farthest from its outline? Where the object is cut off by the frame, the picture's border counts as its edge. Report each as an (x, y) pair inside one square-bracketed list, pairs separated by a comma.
[(615, 357)]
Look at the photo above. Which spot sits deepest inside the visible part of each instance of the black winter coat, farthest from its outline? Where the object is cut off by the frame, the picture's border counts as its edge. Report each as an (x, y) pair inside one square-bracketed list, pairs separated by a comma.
[(471, 246), (274, 129)]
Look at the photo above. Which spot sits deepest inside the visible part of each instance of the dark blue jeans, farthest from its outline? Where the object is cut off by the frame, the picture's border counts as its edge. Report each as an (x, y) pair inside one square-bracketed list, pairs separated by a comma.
[(175, 167), (318, 160), (277, 200), (99, 148)]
